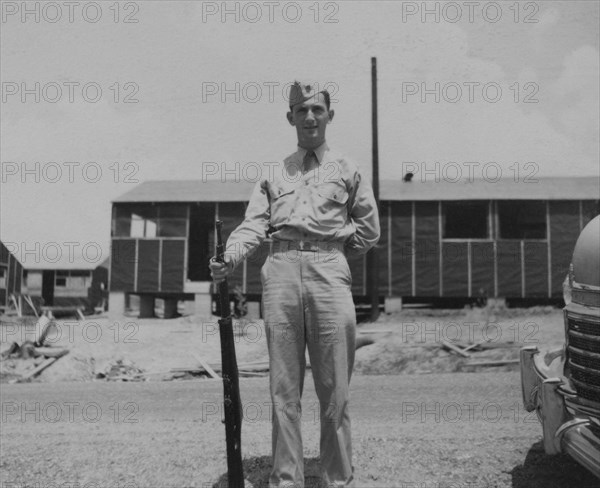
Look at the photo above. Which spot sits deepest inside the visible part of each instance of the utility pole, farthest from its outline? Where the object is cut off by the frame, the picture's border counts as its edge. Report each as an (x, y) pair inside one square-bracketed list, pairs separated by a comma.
[(372, 258)]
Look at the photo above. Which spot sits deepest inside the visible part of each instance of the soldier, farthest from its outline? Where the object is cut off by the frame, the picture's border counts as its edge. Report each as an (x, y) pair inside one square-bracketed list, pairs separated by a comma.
[(317, 208)]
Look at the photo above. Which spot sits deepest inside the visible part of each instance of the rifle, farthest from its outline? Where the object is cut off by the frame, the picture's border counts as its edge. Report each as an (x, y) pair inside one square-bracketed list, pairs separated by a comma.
[(231, 387)]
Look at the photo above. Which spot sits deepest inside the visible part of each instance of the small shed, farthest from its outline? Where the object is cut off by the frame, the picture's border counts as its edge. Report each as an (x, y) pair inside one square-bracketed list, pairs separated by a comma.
[(76, 285), (58, 284)]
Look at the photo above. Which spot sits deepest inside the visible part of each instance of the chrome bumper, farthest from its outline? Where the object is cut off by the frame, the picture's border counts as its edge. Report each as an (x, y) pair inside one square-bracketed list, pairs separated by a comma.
[(545, 391)]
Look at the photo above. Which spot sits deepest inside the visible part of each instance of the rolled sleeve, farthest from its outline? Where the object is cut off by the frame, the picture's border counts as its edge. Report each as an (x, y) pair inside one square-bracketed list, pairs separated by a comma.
[(249, 235), (364, 215)]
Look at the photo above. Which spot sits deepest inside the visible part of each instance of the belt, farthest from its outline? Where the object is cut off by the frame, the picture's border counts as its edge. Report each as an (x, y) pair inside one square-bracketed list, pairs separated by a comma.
[(308, 246)]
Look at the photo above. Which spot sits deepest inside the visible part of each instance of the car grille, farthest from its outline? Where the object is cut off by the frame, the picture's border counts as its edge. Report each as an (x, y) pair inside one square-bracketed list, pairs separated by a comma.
[(584, 355), (583, 343)]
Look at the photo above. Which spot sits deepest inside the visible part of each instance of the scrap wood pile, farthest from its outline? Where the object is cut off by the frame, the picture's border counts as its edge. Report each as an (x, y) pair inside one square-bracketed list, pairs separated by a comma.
[(484, 353), (469, 351), (247, 369), (122, 370), (42, 354)]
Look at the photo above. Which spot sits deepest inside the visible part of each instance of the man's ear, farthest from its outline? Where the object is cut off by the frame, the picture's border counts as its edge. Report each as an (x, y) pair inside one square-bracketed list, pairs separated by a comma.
[(290, 118), (331, 114)]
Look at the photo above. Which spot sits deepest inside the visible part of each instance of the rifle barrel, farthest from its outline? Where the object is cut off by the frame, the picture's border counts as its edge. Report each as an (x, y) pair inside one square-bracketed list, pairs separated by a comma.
[(231, 389)]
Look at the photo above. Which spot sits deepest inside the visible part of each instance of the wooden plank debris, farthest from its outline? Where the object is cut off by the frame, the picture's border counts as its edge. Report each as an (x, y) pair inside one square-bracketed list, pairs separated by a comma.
[(476, 345), (45, 364), (76, 311), (17, 305), (207, 367), (127, 377), (44, 325), (251, 367), (51, 352), (29, 301), (493, 363), (374, 331), (452, 347), (12, 349)]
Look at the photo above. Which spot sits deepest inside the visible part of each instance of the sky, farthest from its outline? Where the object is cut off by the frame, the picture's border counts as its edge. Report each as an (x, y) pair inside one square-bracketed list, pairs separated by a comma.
[(100, 96)]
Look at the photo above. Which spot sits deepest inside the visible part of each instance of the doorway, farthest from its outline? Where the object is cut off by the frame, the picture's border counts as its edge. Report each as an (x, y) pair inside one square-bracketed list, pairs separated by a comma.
[(48, 287), (200, 241)]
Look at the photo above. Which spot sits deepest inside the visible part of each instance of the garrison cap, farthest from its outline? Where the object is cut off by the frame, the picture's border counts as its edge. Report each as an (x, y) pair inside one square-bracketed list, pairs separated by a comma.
[(300, 92)]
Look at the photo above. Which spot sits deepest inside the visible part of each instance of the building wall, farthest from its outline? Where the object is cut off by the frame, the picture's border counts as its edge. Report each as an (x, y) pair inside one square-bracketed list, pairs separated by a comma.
[(32, 284), (522, 249), (423, 262), (148, 265), (11, 273), (149, 248), (70, 287)]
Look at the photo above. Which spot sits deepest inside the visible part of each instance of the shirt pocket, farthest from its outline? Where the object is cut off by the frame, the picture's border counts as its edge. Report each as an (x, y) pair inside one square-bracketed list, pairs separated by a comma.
[(280, 191), (282, 202), (333, 192), (331, 206)]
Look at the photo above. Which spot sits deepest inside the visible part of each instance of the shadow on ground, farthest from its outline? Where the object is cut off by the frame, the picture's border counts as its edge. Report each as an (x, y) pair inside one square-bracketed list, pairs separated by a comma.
[(543, 471), (258, 469)]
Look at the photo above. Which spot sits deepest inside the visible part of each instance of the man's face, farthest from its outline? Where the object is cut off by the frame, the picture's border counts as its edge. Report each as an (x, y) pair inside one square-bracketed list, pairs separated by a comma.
[(310, 119)]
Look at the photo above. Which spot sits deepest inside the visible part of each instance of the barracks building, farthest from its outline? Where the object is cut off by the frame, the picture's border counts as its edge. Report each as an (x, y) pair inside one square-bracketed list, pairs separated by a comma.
[(439, 240)]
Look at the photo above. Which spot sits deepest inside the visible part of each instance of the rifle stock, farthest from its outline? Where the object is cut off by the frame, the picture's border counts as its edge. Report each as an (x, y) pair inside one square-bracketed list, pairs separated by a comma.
[(232, 404)]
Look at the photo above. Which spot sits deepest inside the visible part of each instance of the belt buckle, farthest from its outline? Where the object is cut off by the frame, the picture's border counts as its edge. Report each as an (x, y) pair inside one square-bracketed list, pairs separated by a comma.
[(305, 246)]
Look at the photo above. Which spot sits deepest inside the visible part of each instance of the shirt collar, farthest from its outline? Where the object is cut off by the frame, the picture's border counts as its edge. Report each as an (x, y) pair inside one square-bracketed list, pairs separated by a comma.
[(319, 152)]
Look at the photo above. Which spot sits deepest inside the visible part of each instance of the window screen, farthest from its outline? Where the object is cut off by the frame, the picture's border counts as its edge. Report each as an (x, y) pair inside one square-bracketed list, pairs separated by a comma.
[(522, 219), (465, 220)]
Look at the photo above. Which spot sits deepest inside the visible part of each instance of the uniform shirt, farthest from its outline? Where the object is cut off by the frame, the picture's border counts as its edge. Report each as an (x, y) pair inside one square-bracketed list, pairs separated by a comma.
[(330, 202)]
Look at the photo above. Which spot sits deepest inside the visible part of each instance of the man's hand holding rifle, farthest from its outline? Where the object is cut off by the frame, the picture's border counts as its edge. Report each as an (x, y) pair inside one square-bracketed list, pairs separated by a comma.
[(231, 388)]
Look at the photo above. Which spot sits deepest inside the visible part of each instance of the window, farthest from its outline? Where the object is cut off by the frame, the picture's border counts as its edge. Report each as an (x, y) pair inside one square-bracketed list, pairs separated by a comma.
[(522, 219), (144, 222), (165, 220), (2, 277), (73, 280), (465, 220), (60, 280), (32, 282), (172, 221)]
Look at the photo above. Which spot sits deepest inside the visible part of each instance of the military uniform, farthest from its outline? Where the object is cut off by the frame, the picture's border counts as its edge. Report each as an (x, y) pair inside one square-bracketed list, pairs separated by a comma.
[(317, 208)]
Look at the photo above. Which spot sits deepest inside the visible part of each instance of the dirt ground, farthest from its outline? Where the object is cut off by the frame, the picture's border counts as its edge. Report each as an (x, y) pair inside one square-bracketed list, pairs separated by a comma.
[(443, 430), (408, 342), (422, 417)]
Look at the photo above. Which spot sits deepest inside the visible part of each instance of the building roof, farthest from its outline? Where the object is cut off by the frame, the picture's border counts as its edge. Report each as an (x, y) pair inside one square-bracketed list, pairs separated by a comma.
[(63, 265), (189, 191), (35, 258), (556, 188)]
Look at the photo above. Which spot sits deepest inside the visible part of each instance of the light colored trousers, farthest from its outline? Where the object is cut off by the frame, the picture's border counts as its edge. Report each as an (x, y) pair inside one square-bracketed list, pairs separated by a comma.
[(307, 302)]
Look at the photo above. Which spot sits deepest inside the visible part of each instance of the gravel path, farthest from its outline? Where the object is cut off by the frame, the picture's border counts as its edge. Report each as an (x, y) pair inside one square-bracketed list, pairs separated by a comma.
[(418, 431)]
